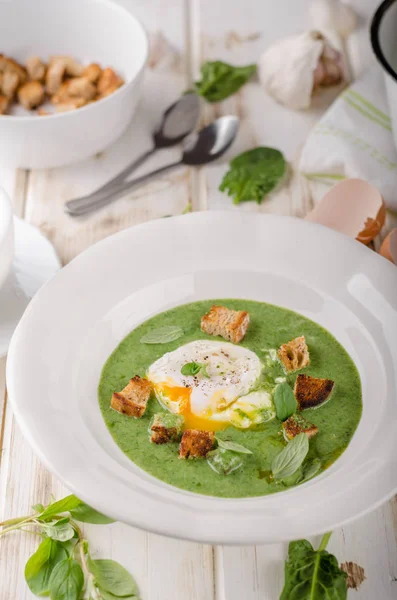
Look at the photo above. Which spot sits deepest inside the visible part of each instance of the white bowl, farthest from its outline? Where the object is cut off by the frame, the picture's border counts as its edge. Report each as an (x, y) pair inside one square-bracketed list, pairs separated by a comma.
[(324, 275), (6, 236), (91, 31)]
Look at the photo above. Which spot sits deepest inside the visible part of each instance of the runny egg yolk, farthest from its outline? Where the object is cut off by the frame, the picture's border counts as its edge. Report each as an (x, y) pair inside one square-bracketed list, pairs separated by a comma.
[(181, 397)]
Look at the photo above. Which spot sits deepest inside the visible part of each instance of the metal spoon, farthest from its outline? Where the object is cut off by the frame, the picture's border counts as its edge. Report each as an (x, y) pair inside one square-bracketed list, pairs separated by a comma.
[(178, 121), (200, 148)]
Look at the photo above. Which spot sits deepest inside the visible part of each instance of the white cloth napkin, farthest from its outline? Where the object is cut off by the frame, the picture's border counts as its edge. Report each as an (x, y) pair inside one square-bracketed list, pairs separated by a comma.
[(354, 139)]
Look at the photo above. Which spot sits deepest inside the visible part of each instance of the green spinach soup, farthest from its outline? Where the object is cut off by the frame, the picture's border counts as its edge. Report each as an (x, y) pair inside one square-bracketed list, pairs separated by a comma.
[(231, 398)]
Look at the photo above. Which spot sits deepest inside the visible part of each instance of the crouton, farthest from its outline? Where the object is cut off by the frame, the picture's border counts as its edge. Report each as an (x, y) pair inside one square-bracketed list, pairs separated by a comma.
[(294, 355), (132, 400), (3, 104), (72, 68), (296, 425), (31, 94), (35, 68), (3, 63), (81, 87), (196, 443), (92, 72), (70, 104), (54, 76), (108, 82), (166, 427), (310, 392), (9, 84), (230, 324), (12, 66)]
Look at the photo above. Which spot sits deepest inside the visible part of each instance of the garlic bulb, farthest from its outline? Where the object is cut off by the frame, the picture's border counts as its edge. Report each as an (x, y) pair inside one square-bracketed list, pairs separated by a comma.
[(333, 15), (294, 67)]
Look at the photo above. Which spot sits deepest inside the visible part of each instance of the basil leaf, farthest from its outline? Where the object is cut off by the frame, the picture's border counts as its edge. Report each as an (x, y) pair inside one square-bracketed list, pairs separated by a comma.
[(224, 461), (253, 174), (40, 565), (162, 335), (64, 505), (104, 595), (66, 581), (232, 446), (312, 469), (61, 533), (194, 368), (111, 577), (291, 457), (312, 575), (38, 508), (220, 80), (284, 401), (86, 514)]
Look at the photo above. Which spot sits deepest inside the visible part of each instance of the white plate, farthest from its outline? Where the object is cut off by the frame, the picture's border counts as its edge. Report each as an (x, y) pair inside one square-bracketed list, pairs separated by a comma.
[(35, 261), (76, 320)]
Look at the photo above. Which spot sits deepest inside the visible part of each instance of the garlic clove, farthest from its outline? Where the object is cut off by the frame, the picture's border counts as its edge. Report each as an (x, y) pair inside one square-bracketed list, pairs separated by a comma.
[(294, 67), (333, 15), (353, 207), (388, 248)]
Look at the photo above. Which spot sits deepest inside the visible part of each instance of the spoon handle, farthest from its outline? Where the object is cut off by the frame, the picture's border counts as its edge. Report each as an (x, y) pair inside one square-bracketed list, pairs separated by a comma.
[(126, 171), (82, 206)]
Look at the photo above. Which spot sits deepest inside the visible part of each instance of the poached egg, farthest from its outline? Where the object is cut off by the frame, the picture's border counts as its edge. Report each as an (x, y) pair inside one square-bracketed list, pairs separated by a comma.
[(224, 391)]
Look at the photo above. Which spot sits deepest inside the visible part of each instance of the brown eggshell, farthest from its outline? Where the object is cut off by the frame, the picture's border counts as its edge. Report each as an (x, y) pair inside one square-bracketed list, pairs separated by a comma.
[(388, 248), (354, 207)]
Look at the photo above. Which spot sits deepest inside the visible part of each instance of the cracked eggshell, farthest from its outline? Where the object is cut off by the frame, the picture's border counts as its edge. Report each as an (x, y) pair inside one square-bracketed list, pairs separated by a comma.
[(354, 207), (388, 248)]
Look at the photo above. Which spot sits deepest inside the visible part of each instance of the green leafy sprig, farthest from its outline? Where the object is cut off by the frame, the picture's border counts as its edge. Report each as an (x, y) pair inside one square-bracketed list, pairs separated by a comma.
[(62, 567), (219, 80)]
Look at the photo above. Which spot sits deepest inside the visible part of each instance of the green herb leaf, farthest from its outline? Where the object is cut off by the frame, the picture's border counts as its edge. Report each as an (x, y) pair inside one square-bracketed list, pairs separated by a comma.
[(220, 80), (162, 335), (86, 514), (40, 565), (311, 469), (288, 461), (253, 174), (194, 368), (111, 577), (228, 445), (312, 575), (66, 581), (284, 401), (61, 533), (38, 508), (64, 505), (103, 595), (224, 461)]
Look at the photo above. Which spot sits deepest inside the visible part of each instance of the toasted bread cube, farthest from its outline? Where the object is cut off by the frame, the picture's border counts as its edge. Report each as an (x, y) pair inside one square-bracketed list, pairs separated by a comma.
[(196, 443), (310, 392), (166, 427), (54, 76), (92, 72), (108, 82), (132, 400), (12, 66), (296, 425), (4, 101), (81, 87), (72, 68), (31, 94), (70, 104), (9, 84), (36, 68), (232, 325), (3, 62), (294, 355)]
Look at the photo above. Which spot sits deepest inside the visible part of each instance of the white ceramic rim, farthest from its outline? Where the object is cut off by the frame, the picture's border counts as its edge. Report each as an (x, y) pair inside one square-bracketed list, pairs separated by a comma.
[(5, 216), (120, 90), (362, 479)]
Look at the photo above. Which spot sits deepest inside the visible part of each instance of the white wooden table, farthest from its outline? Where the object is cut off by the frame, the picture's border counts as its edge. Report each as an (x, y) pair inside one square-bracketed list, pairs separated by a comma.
[(236, 31)]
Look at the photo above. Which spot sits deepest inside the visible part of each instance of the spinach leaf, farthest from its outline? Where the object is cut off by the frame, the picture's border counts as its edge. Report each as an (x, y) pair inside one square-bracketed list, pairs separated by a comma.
[(64, 505), (253, 174), (86, 514), (232, 446), (220, 80), (289, 460), (284, 401), (162, 335), (193, 369), (313, 574), (66, 581), (111, 577), (224, 461), (40, 565)]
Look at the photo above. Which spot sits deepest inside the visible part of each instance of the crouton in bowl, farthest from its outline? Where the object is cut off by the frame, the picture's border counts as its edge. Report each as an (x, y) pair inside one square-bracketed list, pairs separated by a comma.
[(105, 43)]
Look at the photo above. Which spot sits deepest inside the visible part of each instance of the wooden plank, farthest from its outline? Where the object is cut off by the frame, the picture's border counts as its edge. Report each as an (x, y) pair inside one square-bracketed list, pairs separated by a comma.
[(164, 568)]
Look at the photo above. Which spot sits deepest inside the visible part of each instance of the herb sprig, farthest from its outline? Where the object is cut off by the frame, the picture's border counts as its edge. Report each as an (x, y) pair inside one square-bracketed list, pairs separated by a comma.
[(62, 567), (219, 80)]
